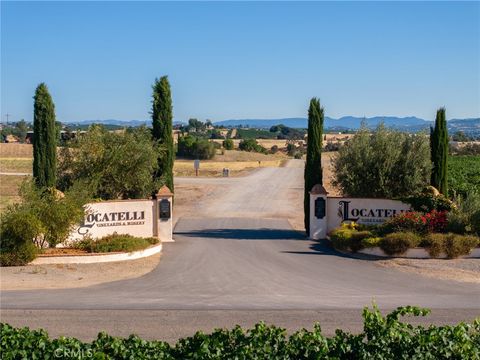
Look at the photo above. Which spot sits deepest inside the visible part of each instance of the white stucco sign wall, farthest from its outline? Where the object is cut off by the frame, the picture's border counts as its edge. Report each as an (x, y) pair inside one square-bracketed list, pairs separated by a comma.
[(363, 210), (123, 217)]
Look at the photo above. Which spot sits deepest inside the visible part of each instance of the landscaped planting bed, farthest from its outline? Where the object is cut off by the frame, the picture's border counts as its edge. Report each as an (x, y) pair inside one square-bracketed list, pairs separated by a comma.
[(384, 337), (441, 227), (115, 243)]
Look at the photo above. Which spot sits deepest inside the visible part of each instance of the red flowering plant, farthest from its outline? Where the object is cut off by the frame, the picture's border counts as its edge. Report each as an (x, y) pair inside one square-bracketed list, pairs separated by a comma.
[(414, 221), (407, 221), (436, 221)]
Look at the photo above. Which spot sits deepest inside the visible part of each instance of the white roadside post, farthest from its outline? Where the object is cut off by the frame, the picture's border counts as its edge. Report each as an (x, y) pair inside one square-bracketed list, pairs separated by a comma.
[(164, 214), (318, 212)]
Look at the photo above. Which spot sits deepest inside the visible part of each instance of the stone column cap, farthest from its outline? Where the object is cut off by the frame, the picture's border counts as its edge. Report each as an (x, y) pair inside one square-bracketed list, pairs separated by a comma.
[(318, 189), (164, 192)]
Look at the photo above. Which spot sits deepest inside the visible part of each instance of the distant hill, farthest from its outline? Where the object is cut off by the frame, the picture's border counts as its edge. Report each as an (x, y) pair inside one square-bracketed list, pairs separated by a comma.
[(126, 123), (411, 123)]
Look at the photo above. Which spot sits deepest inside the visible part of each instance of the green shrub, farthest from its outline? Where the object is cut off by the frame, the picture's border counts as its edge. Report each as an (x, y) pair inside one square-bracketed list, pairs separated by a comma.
[(228, 144), (463, 175), (195, 148), (117, 165), (252, 146), (465, 218), (382, 164), (459, 245), (44, 217), (398, 243), (409, 221), (346, 238), (435, 244), (56, 212), (383, 337), (370, 242), (20, 255), (19, 229), (428, 200), (452, 245), (115, 242)]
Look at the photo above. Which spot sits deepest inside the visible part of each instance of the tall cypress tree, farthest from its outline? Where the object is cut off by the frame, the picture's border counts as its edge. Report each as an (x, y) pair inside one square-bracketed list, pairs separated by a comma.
[(313, 165), (439, 152), (162, 117), (44, 138)]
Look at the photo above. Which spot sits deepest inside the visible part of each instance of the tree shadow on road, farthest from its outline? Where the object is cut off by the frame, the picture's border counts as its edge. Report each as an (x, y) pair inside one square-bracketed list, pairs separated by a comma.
[(247, 234), (324, 247)]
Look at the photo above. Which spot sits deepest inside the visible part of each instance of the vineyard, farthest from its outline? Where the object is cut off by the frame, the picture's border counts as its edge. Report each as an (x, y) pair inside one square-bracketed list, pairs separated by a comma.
[(464, 174)]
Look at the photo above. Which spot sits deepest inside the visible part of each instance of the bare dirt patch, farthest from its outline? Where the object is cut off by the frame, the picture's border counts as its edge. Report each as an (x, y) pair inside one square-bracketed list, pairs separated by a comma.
[(62, 276), (464, 270)]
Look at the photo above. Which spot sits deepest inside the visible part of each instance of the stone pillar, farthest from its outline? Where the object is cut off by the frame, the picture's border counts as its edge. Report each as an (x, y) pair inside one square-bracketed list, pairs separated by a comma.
[(164, 214), (318, 212)]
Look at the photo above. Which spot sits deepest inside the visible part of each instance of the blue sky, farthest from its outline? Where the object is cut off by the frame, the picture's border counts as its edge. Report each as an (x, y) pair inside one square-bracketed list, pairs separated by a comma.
[(242, 60)]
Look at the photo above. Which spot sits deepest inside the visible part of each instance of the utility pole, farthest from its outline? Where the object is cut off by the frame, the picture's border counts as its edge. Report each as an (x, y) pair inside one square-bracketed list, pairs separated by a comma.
[(7, 115)]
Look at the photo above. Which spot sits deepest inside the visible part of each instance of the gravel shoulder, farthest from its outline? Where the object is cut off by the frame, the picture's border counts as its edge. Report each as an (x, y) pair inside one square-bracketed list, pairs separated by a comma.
[(463, 270), (64, 276)]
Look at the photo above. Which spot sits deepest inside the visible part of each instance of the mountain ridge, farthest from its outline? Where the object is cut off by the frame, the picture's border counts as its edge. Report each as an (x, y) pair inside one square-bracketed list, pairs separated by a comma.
[(408, 123)]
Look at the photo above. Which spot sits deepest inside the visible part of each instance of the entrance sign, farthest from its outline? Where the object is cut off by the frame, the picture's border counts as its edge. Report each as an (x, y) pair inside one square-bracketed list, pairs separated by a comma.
[(362, 210), (121, 216), (327, 213), (141, 218)]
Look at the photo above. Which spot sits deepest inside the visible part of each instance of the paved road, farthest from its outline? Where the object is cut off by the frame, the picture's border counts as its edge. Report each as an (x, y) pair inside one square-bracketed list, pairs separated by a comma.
[(246, 257)]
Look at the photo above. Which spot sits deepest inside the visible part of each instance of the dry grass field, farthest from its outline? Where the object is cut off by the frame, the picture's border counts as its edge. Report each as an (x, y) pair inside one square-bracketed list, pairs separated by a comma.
[(12, 165), (9, 186), (266, 143), (16, 151), (215, 168), (239, 163)]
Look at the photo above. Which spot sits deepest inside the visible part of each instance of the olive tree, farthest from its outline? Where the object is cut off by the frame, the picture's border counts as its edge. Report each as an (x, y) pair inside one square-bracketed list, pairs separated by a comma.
[(382, 163), (117, 165)]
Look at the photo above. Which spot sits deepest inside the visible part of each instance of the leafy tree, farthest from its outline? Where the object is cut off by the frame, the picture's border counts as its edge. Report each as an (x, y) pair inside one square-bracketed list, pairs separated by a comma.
[(194, 148), (251, 145), (162, 117), (228, 144), (382, 164), (277, 128), (117, 165), (56, 213), (215, 134), (44, 139), (195, 125), (460, 136), (44, 216), (22, 128), (18, 129), (439, 152), (313, 164)]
